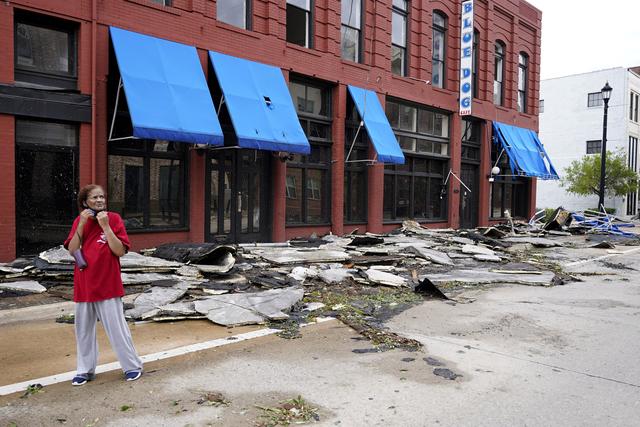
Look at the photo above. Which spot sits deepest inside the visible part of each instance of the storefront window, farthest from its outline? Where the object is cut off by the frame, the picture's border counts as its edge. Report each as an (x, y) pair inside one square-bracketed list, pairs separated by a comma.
[(415, 189), (308, 187), (147, 181)]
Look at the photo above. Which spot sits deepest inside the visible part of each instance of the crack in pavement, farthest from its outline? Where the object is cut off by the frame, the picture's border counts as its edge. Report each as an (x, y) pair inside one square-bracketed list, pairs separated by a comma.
[(468, 347)]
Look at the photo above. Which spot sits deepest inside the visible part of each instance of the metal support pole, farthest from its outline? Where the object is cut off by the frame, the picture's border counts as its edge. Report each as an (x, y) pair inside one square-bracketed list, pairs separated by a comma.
[(603, 157)]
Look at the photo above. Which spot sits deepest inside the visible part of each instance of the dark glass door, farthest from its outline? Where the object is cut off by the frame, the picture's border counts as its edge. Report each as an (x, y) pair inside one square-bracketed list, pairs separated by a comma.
[(46, 184), (469, 199), (236, 196)]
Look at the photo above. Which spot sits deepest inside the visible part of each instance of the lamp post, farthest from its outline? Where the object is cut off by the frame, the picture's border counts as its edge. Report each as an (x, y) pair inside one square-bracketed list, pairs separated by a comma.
[(606, 94)]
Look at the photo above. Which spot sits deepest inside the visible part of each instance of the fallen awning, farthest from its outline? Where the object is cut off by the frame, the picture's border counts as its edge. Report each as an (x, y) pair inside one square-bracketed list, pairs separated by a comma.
[(166, 89), (526, 153), (378, 127), (260, 105)]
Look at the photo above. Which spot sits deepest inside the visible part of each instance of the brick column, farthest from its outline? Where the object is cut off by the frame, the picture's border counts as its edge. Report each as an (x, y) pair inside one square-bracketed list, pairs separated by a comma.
[(337, 159), (375, 190), (484, 189), (453, 186), (7, 189)]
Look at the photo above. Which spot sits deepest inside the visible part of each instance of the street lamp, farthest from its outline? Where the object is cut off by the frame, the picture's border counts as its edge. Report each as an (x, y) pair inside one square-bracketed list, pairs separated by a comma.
[(606, 94)]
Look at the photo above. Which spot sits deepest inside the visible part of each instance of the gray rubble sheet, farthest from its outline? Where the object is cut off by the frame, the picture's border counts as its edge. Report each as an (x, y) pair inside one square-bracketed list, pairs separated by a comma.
[(250, 308), (535, 241), (384, 278), (284, 256), (57, 255), (224, 264), (540, 278), (477, 250), (26, 286), (133, 261), (431, 254), (177, 310), (334, 275), (147, 303)]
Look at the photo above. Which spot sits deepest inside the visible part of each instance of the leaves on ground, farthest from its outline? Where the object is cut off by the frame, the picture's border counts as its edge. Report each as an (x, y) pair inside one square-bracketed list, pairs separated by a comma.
[(32, 389), (125, 408), (213, 398), (292, 411)]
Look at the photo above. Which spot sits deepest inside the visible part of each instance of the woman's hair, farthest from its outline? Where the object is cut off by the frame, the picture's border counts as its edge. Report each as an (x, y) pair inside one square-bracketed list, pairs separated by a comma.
[(83, 195)]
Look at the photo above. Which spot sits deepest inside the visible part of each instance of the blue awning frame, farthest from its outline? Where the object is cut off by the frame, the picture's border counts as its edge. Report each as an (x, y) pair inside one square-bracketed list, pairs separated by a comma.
[(377, 125), (527, 156), (259, 104), (166, 90)]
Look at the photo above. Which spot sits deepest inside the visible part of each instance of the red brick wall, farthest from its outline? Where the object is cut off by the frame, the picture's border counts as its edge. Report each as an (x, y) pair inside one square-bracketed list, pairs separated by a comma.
[(193, 22)]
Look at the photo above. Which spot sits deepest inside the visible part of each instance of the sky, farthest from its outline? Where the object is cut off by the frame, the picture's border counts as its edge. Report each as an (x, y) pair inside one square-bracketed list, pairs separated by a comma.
[(579, 36)]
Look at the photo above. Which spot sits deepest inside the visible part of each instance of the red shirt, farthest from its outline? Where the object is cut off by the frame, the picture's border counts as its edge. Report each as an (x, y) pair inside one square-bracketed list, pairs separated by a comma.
[(101, 279)]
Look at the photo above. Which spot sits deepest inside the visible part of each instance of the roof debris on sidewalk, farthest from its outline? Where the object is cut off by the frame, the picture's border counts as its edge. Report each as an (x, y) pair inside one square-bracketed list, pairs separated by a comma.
[(361, 279)]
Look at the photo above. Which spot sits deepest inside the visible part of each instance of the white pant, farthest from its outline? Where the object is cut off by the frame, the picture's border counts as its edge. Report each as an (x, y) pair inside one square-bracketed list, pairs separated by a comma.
[(111, 314)]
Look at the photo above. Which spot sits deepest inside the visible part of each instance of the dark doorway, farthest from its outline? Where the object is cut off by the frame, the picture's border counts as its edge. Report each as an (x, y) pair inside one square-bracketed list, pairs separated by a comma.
[(469, 199), (237, 197), (46, 184)]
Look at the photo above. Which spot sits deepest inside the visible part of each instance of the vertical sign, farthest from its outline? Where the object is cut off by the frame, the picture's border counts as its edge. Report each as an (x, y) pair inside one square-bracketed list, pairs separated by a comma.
[(466, 58)]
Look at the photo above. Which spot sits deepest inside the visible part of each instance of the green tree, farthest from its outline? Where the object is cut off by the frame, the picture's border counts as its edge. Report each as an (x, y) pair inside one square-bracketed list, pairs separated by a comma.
[(582, 177)]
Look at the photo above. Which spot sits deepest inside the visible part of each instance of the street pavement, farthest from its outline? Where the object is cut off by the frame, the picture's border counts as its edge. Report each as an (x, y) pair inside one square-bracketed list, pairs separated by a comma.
[(517, 356)]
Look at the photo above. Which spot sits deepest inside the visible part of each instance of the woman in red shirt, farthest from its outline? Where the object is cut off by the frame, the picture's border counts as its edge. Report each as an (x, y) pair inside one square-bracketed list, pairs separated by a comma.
[(97, 286)]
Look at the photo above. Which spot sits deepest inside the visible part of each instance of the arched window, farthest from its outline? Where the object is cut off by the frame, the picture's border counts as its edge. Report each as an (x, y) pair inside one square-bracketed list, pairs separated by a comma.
[(523, 78), (498, 73), (438, 53)]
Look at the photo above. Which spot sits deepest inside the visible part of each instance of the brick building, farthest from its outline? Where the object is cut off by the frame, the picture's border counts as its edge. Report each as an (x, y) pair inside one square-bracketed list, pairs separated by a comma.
[(65, 121)]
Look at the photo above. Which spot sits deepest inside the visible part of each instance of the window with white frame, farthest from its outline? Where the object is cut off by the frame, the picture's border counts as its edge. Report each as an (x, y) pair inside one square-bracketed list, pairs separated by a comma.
[(399, 15), (350, 41), (541, 106), (523, 79), (498, 72), (299, 22), (438, 53), (233, 12)]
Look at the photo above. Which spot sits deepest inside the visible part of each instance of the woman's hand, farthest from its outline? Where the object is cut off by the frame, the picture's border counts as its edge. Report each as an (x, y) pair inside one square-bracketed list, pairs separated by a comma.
[(85, 215), (103, 219), (115, 244)]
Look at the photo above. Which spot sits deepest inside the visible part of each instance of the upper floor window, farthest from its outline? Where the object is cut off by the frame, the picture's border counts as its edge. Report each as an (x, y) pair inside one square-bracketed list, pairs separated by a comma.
[(399, 14), (351, 30), (523, 78), (476, 62), (633, 106), (439, 48), (299, 22), (594, 99), (541, 106), (162, 2), (234, 12), (45, 52), (498, 73)]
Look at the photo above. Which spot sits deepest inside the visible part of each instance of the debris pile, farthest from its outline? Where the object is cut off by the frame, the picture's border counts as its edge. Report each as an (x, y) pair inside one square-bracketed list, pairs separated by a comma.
[(361, 279)]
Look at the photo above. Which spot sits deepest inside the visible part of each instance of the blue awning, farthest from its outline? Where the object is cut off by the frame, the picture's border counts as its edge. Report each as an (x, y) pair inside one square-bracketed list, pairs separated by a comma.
[(378, 127), (527, 155), (166, 90), (260, 106)]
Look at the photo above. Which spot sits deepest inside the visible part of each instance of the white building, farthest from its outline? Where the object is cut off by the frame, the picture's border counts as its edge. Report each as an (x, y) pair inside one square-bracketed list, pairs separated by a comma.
[(571, 114)]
